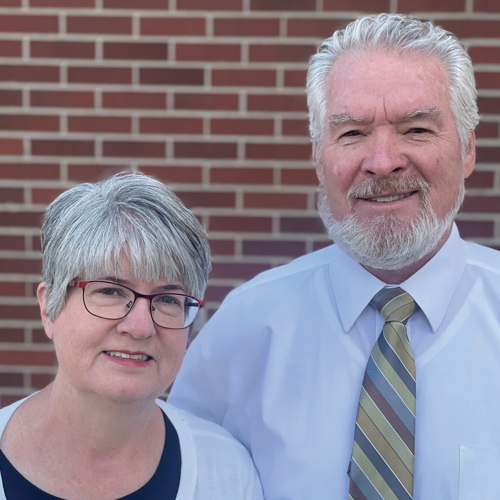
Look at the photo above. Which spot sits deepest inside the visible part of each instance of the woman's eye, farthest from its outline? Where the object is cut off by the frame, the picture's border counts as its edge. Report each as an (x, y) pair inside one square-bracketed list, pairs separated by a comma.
[(169, 299), (108, 291)]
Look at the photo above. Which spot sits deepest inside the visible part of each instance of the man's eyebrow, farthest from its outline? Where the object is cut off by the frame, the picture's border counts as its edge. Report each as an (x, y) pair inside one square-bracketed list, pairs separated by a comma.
[(433, 113), (344, 118)]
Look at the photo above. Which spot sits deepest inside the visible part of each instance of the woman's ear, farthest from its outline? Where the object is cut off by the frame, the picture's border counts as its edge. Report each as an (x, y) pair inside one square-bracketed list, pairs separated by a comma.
[(41, 294)]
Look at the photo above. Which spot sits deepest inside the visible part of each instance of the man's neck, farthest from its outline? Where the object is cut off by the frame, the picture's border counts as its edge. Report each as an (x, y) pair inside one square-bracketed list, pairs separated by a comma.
[(397, 276)]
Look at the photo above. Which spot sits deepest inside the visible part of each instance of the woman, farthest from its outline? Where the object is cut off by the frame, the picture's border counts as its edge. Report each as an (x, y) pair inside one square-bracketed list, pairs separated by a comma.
[(124, 265)]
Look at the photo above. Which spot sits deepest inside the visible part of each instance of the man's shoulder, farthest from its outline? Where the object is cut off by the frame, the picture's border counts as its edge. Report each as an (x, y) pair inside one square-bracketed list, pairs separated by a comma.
[(485, 258), (304, 265)]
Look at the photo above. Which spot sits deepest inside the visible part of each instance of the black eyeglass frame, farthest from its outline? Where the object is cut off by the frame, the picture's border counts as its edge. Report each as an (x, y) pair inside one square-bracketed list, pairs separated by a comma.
[(83, 284)]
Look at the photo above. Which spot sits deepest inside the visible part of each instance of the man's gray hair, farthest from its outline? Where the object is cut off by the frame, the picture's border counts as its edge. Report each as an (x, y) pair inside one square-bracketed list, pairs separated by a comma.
[(400, 34), (89, 230)]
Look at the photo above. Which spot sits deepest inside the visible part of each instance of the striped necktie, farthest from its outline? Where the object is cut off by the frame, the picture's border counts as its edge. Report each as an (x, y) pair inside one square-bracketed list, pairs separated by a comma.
[(382, 458)]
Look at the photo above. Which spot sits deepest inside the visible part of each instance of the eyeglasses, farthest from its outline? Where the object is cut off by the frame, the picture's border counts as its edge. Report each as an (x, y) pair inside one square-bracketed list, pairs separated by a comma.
[(109, 300)]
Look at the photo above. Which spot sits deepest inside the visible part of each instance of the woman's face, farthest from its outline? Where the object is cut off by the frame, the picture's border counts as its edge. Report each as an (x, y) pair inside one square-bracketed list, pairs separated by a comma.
[(93, 352)]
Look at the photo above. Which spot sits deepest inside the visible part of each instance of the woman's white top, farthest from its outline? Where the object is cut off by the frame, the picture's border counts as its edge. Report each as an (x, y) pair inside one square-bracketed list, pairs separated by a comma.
[(214, 466)]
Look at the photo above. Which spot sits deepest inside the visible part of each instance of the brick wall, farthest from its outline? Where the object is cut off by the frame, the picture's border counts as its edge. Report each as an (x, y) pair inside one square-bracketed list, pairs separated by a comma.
[(211, 102)]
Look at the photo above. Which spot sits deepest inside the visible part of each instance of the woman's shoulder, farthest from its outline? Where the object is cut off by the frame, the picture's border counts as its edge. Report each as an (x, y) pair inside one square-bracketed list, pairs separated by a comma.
[(220, 461), (7, 412)]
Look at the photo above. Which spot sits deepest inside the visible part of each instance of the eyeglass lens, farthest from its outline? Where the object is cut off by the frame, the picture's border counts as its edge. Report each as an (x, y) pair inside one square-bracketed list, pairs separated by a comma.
[(112, 301)]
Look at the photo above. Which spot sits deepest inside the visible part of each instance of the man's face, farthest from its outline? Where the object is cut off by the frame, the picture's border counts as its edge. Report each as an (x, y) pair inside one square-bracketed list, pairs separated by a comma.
[(390, 150)]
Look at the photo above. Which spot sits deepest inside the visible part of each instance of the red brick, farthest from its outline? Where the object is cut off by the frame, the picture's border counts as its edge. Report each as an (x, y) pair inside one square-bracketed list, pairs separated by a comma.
[(28, 24), (480, 179), (40, 337), (321, 27), (226, 102), (473, 28), (136, 4), (208, 52), (178, 26), (407, 6), (61, 147), (24, 266), (485, 6), (484, 55), (134, 100), (99, 74), (11, 242), (189, 174), (141, 51), (375, 6), (74, 4), (274, 248), (18, 73), (171, 76), (195, 199), (244, 27), (11, 48), (8, 399), (179, 125), (11, 379), (283, 103), (134, 149), (295, 78), (216, 293), (487, 130), (40, 380), (299, 176), (11, 146), (275, 200), (235, 175), (301, 225), (93, 172), (278, 151), (11, 98), (295, 127), (487, 80), (481, 204), (11, 195), (45, 196), (318, 245), (280, 53), (104, 124), (29, 122), (205, 150), (99, 25), (489, 105), (12, 288), (24, 357), (476, 228), (11, 335), (31, 171), (237, 270), (241, 126), (214, 5), (62, 49), (62, 99), (222, 247), (286, 5), (240, 224), (11, 3), (243, 77), (488, 154)]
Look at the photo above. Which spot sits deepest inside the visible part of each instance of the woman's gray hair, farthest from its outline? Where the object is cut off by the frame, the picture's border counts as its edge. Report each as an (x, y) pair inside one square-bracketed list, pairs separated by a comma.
[(398, 33), (88, 230)]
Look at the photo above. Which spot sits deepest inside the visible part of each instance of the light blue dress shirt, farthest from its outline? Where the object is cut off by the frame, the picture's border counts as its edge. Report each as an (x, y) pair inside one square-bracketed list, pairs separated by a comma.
[(280, 366)]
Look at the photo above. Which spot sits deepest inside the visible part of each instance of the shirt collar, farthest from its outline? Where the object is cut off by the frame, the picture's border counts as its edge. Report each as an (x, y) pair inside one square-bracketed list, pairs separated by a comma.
[(432, 286)]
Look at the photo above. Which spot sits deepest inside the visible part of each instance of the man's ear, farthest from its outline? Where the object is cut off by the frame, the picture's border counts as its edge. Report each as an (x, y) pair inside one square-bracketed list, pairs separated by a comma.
[(41, 294), (317, 160), (470, 158)]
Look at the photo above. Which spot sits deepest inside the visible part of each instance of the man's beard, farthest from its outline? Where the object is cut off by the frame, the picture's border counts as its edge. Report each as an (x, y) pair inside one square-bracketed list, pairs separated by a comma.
[(388, 242)]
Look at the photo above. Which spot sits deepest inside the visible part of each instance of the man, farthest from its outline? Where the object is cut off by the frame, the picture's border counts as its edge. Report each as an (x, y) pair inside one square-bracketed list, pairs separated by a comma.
[(281, 365)]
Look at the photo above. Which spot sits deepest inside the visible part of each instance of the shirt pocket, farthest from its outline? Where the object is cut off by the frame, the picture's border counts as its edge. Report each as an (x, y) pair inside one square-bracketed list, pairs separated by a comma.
[(479, 473)]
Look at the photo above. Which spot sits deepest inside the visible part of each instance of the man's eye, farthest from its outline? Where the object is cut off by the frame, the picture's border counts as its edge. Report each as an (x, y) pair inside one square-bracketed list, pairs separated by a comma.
[(351, 133), (418, 130)]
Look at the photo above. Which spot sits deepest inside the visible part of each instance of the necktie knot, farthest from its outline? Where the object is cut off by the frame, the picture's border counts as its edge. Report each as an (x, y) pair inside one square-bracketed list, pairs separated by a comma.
[(394, 304)]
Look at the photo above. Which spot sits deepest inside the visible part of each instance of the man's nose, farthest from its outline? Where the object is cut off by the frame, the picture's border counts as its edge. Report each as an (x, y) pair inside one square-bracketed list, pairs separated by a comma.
[(384, 156), (138, 322)]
